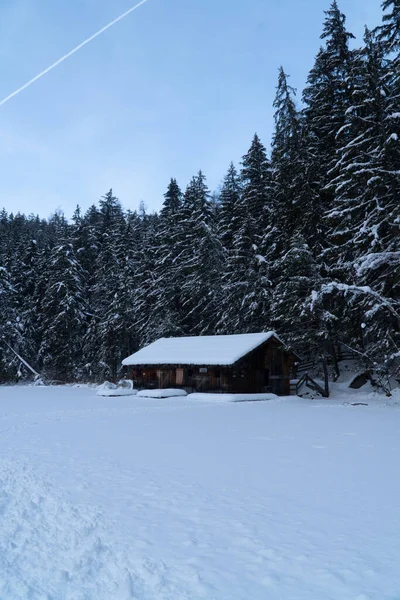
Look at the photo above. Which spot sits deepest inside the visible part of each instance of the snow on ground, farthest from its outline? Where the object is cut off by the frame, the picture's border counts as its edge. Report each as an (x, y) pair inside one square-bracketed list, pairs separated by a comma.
[(164, 393), (170, 499), (232, 397)]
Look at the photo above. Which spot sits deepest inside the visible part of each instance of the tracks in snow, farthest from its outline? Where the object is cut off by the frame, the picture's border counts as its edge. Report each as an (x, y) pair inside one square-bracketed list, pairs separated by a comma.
[(52, 550)]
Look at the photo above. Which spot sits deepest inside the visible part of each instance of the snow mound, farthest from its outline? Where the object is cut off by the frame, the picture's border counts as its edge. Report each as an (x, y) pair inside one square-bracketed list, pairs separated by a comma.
[(107, 385), (233, 397), (167, 393), (110, 390), (117, 392)]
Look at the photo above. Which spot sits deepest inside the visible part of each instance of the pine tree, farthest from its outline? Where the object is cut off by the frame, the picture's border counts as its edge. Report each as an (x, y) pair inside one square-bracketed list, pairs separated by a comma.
[(285, 143), (200, 256), (63, 316), (287, 165), (246, 286), (364, 234), (257, 189), (25, 274), (8, 323), (143, 261), (172, 201), (296, 274), (389, 32), (389, 37), (327, 98), (229, 219), (102, 353), (356, 219), (166, 319)]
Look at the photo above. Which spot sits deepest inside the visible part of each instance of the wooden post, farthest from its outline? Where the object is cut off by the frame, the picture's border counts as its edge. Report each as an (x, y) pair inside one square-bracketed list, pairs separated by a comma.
[(326, 376), (335, 360)]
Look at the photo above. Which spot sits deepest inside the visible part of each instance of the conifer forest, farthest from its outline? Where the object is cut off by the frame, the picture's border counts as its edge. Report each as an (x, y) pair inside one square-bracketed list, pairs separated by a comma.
[(304, 239)]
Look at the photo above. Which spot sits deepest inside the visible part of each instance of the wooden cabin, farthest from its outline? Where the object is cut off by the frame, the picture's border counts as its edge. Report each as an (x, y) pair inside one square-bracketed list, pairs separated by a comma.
[(244, 363)]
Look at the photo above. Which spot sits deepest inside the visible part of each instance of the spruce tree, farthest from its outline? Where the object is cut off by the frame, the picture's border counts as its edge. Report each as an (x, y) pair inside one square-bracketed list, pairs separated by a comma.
[(327, 98), (199, 260), (296, 275), (356, 219), (287, 167), (246, 285), (256, 183), (8, 322), (389, 37), (101, 341), (166, 319), (63, 316), (229, 218)]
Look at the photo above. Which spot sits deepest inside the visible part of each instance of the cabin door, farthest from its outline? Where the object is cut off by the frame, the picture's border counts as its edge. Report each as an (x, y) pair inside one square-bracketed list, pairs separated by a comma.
[(277, 386), (179, 376)]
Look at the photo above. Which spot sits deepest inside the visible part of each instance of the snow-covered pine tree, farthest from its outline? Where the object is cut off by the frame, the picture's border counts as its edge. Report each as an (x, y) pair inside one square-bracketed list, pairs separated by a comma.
[(200, 259), (120, 326), (63, 316), (25, 274), (143, 262), (58, 228), (389, 31), (8, 326), (364, 221), (389, 37), (229, 220), (84, 233), (166, 317), (287, 165), (101, 352), (362, 320), (256, 181), (357, 221), (172, 202), (246, 285), (327, 96), (296, 274)]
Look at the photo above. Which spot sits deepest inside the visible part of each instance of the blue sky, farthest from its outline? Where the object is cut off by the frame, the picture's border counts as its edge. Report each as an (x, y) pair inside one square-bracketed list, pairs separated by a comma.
[(178, 86)]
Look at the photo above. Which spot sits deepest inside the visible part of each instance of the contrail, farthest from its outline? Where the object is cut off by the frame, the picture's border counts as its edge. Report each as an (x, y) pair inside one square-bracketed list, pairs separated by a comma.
[(61, 60)]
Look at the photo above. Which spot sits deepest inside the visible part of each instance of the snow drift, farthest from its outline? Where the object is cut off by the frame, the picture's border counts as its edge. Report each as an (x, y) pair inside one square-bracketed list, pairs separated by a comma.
[(167, 393)]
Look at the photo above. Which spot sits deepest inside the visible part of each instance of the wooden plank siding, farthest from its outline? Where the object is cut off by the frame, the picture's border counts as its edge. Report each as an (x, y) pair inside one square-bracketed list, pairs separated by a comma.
[(268, 368)]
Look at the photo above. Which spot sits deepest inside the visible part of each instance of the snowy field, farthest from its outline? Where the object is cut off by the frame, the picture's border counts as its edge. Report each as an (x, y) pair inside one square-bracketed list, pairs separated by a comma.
[(120, 498)]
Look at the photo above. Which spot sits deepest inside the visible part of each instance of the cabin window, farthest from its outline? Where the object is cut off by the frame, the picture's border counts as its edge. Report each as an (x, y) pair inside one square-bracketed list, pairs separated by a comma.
[(203, 370)]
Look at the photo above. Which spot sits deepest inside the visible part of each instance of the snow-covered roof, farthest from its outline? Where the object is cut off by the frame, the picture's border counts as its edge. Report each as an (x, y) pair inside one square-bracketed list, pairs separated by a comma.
[(204, 350)]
